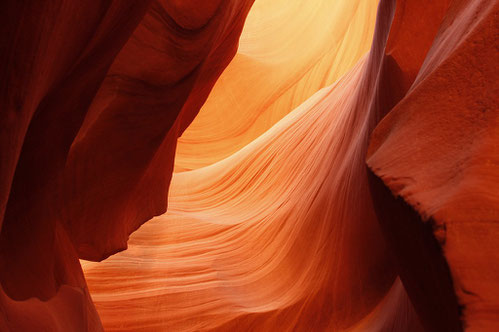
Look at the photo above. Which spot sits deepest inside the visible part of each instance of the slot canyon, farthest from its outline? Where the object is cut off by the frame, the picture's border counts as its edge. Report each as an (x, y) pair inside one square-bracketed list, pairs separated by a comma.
[(249, 165)]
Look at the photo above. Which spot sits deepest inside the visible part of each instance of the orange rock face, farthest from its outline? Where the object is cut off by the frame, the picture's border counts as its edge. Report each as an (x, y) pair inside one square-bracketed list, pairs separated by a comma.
[(342, 173), (438, 149)]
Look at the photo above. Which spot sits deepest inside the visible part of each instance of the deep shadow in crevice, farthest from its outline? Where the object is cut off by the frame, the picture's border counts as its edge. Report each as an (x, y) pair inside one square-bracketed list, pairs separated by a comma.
[(420, 262)]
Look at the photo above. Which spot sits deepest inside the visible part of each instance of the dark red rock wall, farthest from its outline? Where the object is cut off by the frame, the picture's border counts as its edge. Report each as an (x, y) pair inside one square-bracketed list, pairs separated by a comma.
[(94, 96)]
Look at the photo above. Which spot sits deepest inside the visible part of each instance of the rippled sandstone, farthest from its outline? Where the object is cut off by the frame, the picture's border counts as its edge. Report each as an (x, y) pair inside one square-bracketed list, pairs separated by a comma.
[(342, 174)]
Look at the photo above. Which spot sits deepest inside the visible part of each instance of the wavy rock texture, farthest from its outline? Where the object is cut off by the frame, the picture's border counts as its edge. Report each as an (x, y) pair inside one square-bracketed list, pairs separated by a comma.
[(93, 97), (282, 228), (280, 235), (259, 237), (288, 51), (274, 221)]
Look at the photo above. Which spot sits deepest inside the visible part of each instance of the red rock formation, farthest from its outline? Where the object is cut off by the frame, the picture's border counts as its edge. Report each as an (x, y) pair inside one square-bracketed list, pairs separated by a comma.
[(438, 150), (283, 227), (151, 93), (94, 96)]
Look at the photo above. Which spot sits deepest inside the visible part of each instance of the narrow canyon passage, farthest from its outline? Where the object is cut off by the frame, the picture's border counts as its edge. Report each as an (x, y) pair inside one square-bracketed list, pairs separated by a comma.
[(249, 165), (270, 224)]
